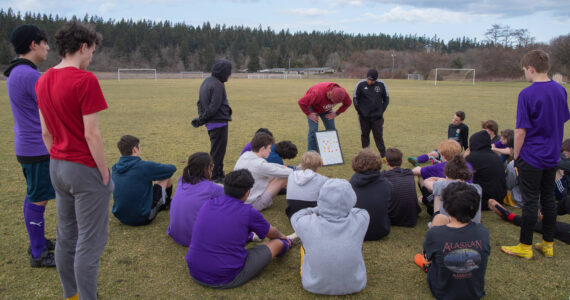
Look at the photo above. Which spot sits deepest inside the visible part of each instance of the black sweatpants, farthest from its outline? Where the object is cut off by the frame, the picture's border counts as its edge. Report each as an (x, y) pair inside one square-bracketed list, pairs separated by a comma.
[(218, 143), (376, 127)]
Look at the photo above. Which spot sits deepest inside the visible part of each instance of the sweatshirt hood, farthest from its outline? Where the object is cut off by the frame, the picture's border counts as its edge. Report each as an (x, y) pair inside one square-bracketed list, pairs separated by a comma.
[(222, 69), (125, 163), (301, 177), (336, 199), (480, 141), (361, 179), (16, 62)]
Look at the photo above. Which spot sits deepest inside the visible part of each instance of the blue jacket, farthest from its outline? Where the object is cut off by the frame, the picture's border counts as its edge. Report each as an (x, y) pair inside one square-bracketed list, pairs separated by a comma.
[(133, 193)]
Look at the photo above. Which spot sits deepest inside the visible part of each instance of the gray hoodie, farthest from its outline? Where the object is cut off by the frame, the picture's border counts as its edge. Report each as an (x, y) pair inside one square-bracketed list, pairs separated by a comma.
[(332, 234), (304, 185)]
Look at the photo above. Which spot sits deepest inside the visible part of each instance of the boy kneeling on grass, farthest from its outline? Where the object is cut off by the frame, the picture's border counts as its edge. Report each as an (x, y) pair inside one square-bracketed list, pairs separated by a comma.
[(455, 255), (217, 257)]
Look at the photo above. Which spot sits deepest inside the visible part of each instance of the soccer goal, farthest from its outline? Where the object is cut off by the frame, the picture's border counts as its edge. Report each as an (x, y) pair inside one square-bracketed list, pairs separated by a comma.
[(415, 76), (136, 74), (191, 75), (448, 74)]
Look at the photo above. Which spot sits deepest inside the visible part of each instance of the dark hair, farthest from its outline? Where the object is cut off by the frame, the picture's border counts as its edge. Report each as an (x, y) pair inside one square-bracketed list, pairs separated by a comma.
[(566, 145), (126, 144), (366, 160), (537, 59), (23, 35), (286, 149), (71, 36), (461, 201), (394, 157), (491, 125), (261, 140), (457, 169), (509, 134), (264, 130), (237, 183), (460, 114), (197, 168)]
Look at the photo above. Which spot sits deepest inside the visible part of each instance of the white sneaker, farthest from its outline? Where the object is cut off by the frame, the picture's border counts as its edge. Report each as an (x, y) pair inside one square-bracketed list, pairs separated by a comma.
[(295, 239), (255, 238)]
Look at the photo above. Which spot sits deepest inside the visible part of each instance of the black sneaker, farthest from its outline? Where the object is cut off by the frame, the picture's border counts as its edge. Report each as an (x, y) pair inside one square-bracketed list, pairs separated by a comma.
[(46, 260), (50, 245), (219, 180)]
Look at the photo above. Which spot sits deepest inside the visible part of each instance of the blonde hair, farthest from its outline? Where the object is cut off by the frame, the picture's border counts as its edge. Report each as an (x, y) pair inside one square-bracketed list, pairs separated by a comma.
[(311, 160), (449, 149)]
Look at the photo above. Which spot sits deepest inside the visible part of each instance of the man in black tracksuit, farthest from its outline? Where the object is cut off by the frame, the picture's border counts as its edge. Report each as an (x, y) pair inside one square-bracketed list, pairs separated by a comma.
[(370, 101), (215, 112)]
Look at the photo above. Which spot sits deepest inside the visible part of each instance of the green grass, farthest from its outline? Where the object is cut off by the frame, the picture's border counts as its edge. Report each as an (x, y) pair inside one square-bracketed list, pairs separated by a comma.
[(143, 262)]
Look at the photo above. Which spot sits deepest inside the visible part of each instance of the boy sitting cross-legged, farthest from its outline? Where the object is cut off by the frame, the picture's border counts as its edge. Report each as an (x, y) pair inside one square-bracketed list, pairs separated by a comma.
[(217, 257), (456, 254), (304, 184), (136, 199)]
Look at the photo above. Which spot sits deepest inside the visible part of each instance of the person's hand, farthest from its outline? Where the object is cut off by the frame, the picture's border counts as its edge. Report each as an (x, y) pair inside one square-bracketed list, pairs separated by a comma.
[(331, 115), (313, 117), (105, 177)]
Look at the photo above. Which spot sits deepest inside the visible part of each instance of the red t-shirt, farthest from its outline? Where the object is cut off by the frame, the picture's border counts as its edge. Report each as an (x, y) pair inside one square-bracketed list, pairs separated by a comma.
[(64, 97)]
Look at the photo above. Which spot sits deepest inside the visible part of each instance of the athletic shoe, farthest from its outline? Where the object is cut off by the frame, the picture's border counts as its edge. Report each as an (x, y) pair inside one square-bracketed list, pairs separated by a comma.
[(384, 160), (413, 160), (433, 160), (253, 237), (50, 245), (47, 259), (295, 239), (520, 250), (420, 261), (546, 248)]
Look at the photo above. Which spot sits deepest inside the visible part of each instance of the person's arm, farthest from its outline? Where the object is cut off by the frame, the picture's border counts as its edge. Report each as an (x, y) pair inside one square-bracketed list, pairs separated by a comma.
[(274, 233), (506, 151), (356, 97), (95, 144), (465, 138), (46, 135), (385, 96), (159, 171), (417, 171), (216, 100), (346, 103), (520, 134), (274, 170), (304, 104)]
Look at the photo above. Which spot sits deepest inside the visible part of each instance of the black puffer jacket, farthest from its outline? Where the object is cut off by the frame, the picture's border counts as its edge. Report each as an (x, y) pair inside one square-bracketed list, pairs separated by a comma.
[(213, 105)]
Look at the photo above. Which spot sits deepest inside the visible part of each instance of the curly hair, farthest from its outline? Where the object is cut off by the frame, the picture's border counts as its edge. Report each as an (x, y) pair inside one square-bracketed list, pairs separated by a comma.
[(461, 201), (237, 183), (448, 149), (286, 149), (457, 169), (366, 160), (71, 36)]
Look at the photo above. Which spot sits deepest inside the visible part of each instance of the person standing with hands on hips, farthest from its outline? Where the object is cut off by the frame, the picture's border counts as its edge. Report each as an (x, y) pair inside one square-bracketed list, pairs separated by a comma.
[(370, 101), (319, 101)]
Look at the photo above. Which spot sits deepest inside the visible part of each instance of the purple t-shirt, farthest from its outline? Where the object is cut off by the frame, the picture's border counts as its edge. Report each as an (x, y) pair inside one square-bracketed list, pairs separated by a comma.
[(210, 126), (27, 127), (246, 148), (187, 201), (437, 171), (499, 145), (217, 252), (542, 110)]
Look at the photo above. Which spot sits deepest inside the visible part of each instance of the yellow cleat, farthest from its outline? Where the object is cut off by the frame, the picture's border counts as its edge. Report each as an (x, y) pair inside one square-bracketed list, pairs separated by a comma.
[(546, 248), (520, 250)]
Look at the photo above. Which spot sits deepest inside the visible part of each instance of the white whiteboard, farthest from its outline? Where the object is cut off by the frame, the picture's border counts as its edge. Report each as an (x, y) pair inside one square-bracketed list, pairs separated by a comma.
[(329, 147)]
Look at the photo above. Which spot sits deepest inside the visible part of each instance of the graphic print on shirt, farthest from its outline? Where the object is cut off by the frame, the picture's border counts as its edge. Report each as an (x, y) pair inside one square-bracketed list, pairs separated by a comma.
[(462, 258), (377, 89), (328, 107)]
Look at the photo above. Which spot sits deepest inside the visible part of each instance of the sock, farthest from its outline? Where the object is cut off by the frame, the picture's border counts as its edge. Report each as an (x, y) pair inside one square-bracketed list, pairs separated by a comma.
[(423, 158), (285, 246), (34, 218), (506, 214)]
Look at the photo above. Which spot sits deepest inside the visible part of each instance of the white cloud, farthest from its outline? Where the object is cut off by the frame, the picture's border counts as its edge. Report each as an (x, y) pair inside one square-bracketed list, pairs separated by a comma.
[(429, 16), (308, 12), (107, 7)]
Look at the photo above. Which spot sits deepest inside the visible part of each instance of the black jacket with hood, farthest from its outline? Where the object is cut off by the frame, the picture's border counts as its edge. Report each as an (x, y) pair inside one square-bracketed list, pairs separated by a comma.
[(213, 105), (373, 193), (488, 168)]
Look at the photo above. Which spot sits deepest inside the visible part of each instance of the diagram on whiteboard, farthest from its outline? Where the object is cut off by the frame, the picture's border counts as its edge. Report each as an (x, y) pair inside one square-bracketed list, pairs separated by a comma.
[(329, 147)]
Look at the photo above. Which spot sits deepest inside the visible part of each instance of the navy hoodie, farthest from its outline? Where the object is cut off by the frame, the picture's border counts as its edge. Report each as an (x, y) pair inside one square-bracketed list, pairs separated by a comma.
[(373, 193), (213, 105), (133, 193)]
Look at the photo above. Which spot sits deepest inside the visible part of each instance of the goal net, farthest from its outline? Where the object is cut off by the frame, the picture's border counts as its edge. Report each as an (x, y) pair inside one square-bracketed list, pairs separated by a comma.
[(447, 74), (273, 76), (136, 74), (415, 76), (191, 75)]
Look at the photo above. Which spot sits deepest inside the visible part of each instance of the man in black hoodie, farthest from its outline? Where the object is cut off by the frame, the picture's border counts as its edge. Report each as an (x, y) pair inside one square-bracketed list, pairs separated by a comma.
[(488, 168), (215, 112)]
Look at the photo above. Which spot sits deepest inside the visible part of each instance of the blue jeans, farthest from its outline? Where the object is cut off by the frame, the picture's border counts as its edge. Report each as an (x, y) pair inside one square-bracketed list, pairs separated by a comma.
[(314, 127)]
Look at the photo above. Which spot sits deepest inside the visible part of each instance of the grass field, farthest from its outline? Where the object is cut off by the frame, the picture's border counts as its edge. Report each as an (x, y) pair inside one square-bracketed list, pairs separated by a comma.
[(144, 263)]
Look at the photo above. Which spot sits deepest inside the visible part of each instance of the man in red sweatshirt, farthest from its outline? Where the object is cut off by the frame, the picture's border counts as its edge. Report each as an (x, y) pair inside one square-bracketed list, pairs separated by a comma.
[(319, 101)]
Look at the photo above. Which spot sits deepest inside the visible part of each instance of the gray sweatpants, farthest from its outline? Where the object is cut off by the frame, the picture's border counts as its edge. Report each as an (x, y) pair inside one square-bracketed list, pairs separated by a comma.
[(82, 225)]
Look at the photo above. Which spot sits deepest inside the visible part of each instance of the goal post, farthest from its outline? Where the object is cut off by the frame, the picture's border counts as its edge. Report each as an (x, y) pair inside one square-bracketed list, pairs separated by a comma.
[(191, 75), (415, 76), (137, 74), (454, 74)]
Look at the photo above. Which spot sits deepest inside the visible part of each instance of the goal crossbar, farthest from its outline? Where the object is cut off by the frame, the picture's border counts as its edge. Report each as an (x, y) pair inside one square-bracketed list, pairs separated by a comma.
[(451, 69), (135, 70)]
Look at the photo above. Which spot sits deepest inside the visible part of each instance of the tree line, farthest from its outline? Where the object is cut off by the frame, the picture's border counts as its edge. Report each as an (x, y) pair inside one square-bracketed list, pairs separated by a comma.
[(175, 47)]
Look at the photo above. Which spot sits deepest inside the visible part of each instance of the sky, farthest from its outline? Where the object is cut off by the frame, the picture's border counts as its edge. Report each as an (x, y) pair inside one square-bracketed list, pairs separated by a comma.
[(544, 19)]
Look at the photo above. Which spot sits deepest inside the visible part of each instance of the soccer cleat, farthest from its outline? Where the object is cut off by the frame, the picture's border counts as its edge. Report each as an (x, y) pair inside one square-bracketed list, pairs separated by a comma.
[(420, 261), (50, 245), (434, 160), (295, 239), (413, 160), (546, 248), (520, 250), (47, 259)]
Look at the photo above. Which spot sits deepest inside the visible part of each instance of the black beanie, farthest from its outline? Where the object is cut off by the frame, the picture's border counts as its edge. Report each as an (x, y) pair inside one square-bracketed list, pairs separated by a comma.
[(23, 36)]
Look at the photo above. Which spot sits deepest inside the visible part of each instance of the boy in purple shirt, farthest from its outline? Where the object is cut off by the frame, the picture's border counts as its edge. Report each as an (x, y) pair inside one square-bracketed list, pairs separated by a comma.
[(30, 43), (217, 256), (541, 113)]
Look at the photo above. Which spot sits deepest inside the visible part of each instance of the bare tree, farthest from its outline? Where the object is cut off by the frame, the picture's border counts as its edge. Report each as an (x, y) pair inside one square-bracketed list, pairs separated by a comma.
[(493, 34), (560, 54)]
